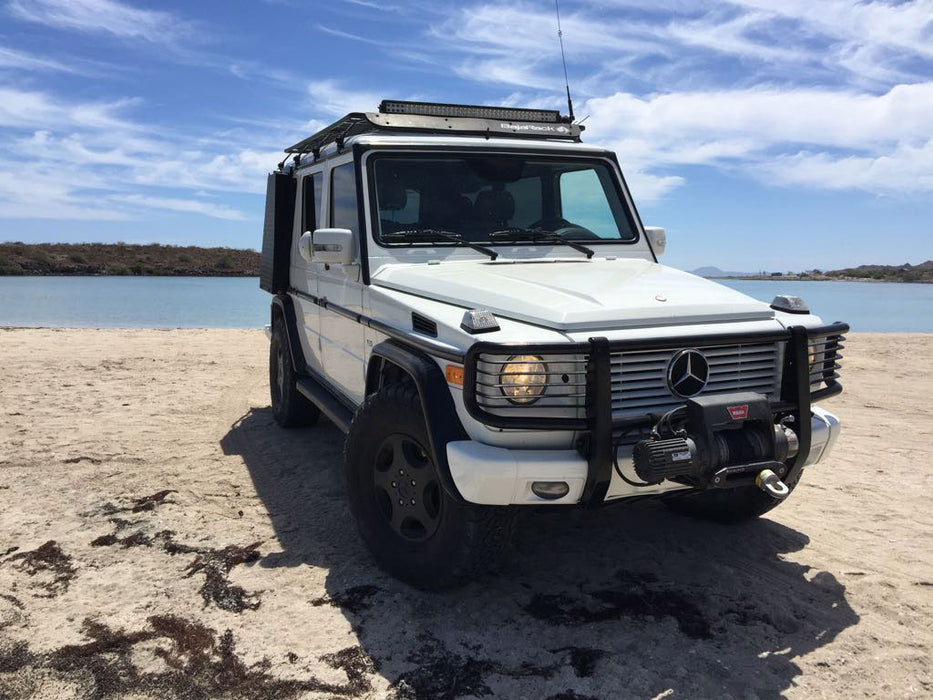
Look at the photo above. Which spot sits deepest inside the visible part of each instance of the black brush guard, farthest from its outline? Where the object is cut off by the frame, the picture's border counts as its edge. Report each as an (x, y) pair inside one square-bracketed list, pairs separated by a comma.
[(598, 425)]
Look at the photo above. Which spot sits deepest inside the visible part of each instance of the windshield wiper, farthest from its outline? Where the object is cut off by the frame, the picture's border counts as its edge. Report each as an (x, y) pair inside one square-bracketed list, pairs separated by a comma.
[(539, 235), (434, 234)]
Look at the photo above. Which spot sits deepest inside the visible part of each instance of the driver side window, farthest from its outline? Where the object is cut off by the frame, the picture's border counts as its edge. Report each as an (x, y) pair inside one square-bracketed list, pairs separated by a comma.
[(583, 202)]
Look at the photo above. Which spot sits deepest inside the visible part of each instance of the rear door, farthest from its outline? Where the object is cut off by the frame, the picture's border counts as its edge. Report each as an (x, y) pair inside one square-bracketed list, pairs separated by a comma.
[(343, 339), (304, 275)]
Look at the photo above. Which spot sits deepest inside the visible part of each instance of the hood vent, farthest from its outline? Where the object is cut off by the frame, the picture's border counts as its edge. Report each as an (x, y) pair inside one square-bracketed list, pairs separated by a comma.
[(422, 324)]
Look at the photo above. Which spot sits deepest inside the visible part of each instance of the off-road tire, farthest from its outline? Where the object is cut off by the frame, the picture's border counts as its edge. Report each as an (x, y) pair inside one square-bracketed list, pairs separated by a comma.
[(462, 542), (289, 408), (729, 506)]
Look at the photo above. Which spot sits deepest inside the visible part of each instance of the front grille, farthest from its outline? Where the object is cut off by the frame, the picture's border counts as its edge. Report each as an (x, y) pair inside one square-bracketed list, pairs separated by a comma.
[(639, 378)]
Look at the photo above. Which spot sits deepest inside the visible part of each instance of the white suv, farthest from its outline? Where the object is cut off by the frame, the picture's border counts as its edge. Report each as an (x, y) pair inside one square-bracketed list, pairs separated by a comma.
[(469, 293)]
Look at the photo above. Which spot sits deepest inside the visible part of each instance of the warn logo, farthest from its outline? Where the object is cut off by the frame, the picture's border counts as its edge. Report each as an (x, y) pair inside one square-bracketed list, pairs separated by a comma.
[(739, 412)]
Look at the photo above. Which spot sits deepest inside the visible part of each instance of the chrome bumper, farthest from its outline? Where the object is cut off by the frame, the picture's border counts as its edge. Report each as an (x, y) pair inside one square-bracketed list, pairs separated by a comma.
[(825, 429), (501, 476)]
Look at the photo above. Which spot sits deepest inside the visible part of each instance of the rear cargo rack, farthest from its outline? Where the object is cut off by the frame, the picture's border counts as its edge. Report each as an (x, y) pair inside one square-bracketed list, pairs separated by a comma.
[(440, 118)]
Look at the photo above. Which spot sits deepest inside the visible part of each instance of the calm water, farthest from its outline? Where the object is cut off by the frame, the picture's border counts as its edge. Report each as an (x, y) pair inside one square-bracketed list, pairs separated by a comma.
[(885, 307), (237, 302), (133, 302)]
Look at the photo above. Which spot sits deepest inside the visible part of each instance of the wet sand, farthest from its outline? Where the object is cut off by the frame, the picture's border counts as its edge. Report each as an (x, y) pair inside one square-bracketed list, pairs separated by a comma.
[(161, 537)]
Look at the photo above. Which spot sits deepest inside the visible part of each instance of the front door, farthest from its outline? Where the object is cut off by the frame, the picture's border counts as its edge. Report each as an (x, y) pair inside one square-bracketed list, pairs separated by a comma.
[(342, 339), (303, 274)]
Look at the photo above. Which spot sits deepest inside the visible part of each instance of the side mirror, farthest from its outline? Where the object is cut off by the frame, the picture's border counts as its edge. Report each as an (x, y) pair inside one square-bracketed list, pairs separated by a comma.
[(333, 245), (657, 238), (304, 246)]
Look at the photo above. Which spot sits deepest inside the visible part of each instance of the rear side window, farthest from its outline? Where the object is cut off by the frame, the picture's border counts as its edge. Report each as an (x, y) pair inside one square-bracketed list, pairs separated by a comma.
[(311, 201), (343, 211)]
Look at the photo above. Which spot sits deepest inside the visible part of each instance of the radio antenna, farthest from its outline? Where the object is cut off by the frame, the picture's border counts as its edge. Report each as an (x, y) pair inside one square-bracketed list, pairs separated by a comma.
[(560, 38)]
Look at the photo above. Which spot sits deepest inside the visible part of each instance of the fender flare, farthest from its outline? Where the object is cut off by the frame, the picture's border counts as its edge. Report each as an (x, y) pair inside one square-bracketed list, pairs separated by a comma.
[(282, 303), (440, 415)]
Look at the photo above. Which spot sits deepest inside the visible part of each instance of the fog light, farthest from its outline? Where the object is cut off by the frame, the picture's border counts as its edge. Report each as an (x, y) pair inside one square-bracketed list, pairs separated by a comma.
[(550, 490)]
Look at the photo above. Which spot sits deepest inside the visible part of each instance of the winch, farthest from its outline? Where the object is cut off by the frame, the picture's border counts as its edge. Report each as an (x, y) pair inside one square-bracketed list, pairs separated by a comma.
[(716, 441)]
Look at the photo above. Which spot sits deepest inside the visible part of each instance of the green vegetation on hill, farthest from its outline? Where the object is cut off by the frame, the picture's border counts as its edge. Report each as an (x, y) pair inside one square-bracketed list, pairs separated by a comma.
[(125, 259), (888, 273), (882, 273)]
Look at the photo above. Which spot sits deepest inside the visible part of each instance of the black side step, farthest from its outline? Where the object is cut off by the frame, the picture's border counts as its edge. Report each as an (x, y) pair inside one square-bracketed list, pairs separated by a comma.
[(323, 398)]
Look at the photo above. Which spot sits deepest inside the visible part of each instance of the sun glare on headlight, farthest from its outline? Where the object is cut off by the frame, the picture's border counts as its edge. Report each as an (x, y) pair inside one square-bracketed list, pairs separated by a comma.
[(816, 353), (523, 379)]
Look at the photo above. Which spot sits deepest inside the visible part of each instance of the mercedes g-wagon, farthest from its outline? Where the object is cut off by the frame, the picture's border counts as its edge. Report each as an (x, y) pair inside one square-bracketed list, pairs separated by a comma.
[(469, 294)]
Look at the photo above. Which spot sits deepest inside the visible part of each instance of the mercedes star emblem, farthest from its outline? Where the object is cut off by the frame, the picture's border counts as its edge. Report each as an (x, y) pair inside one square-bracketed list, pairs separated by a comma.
[(687, 373)]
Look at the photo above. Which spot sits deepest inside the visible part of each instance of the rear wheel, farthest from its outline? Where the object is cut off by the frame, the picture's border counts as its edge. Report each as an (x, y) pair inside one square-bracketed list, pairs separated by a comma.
[(289, 408), (727, 505), (415, 531)]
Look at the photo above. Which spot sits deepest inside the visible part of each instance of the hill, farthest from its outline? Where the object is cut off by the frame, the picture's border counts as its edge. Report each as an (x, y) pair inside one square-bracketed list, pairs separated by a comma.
[(125, 259), (882, 273), (888, 273), (711, 271)]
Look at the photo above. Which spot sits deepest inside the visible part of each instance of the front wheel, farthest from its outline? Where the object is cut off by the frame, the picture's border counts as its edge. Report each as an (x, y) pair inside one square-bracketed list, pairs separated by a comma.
[(415, 531)]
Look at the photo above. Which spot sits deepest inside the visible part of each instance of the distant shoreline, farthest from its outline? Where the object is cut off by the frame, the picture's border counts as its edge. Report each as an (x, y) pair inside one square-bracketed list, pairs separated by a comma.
[(239, 275), (157, 260), (814, 278), (125, 260)]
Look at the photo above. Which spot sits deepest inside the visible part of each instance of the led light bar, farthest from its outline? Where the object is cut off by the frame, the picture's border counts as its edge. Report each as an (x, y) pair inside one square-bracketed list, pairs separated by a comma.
[(434, 109)]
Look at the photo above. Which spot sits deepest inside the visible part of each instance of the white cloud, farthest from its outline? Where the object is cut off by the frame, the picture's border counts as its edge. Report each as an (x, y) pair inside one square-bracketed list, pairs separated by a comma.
[(20, 60), (102, 16), (646, 187), (211, 209), (799, 115), (63, 159), (907, 168), (733, 76), (30, 194), (37, 110), (834, 139), (902, 25), (330, 97), (797, 93)]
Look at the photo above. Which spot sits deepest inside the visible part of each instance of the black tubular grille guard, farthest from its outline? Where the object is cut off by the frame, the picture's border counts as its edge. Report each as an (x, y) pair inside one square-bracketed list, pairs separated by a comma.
[(796, 396), (530, 421)]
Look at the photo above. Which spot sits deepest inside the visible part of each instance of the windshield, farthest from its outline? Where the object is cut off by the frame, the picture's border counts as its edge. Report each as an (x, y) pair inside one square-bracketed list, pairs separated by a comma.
[(502, 200)]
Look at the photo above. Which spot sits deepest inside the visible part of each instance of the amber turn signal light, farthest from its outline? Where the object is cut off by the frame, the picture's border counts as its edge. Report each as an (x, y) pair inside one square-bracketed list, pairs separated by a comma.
[(455, 374)]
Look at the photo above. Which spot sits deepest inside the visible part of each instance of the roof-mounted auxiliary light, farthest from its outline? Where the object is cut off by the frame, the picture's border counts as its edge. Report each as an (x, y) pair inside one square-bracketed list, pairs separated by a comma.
[(789, 304), (479, 321), (438, 109)]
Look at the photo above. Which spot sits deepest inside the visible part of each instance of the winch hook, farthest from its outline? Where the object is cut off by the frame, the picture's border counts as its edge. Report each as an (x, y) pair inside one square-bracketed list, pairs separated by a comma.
[(771, 484)]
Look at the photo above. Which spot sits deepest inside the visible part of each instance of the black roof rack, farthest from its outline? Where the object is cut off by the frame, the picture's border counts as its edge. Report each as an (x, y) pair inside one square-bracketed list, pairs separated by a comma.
[(438, 118)]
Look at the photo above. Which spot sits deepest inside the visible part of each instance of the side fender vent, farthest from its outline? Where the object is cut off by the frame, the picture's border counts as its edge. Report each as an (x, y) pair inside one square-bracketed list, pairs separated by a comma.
[(422, 324)]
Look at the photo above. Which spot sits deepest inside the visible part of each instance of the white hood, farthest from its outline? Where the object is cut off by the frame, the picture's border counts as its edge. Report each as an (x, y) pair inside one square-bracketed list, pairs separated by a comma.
[(575, 295)]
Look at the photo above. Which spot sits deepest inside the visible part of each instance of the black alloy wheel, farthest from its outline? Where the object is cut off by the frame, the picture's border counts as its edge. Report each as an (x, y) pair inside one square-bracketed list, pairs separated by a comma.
[(413, 527), (406, 488)]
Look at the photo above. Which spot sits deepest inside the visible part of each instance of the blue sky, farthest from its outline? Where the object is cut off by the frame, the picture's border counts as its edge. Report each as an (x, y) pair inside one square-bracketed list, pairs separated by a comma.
[(763, 134)]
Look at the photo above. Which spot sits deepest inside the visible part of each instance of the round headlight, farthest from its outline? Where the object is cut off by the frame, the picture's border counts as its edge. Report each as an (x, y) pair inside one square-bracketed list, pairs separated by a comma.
[(523, 379), (815, 353)]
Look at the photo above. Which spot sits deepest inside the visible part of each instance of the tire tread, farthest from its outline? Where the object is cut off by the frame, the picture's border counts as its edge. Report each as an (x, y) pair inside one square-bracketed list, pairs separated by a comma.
[(485, 530)]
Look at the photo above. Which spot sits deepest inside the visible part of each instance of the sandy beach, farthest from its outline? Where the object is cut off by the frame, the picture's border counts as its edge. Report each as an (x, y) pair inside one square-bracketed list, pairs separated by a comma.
[(161, 537)]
